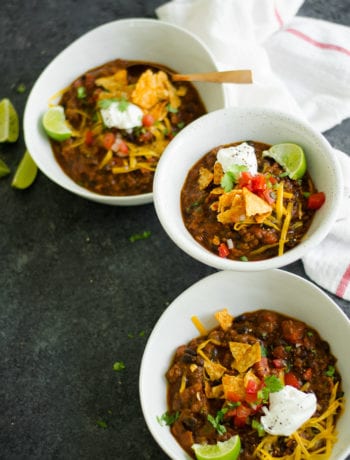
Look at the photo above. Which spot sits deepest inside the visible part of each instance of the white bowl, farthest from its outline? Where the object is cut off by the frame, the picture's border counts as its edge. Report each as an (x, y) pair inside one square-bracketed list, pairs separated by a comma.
[(239, 292), (133, 39), (233, 125)]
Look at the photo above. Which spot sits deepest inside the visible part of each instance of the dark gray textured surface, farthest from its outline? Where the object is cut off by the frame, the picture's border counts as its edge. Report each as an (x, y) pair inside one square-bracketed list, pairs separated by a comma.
[(75, 294)]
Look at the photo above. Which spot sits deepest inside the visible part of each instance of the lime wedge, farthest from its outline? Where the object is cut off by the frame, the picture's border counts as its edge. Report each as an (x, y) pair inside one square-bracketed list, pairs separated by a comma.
[(25, 173), (54, 122), (290, 156), (4, 169), (226, 450), (9, 124)]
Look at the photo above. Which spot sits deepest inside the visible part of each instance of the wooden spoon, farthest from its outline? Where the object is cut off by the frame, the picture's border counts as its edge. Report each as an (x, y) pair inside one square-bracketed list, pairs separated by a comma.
[(228, 76)]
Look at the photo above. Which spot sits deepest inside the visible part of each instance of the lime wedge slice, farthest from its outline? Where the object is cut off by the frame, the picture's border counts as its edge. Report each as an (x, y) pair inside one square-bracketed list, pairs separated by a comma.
[(226, 450), (25, 173), (4, 169), (290, 156), (9, 124), (54, 122)]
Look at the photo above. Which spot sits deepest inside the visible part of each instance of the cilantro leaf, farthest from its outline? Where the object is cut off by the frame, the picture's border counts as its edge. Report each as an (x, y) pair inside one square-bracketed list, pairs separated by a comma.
[(167, 418), (216, 421), (121, 102), (118, 366), (231, 176), (171, 109), (140, 236), (272, 385)]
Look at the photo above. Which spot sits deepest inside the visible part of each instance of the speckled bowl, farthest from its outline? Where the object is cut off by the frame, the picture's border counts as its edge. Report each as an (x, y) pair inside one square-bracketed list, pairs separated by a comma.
[(134, 39), (233, 125)]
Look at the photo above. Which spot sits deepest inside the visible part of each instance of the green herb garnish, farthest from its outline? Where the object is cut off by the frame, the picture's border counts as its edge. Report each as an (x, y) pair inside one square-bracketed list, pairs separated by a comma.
[(21, 88), (118, 366), (81, 92), (216, 421), (139, 236), (121, 102), (272, 385), (167, 418), (101, 423), (231, 176), (171, 109), (244, 259), (258, 427), (330, 371)]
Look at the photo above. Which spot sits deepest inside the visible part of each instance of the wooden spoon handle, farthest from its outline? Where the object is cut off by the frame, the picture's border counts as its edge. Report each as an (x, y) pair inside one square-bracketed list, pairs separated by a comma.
[(228, 76)]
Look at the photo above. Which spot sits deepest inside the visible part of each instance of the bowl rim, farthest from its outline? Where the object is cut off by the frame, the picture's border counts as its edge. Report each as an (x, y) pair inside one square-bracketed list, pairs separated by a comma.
[(192, 247), (74, 187), (180, 304)]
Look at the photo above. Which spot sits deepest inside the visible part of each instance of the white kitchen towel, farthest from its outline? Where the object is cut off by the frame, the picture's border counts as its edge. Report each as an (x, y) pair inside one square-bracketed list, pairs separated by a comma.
[(300, 65)]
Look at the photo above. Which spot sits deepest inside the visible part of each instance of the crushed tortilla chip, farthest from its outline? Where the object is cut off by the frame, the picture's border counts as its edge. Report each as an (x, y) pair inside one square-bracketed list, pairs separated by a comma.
[(224, 318), (254, 204), (245, 355), (218, 173), (214, 392), (153, 88), (205, 178), (113, 83), (231, 207), (214, 370), (233, 385)]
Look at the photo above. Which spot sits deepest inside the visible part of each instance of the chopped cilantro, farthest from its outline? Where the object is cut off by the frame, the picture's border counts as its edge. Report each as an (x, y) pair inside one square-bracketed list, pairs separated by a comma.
[(81, 92), (101, 423), (171, 109), (118, 366), (139, 236), (167, 418), (272, 385), (106, 103), (216, 421), (263, 351), (231, 176), (142, 333), (330, 371), (244, 259), (258, 427), (309, 333), (181, 124), (21, 88), (306, 194)]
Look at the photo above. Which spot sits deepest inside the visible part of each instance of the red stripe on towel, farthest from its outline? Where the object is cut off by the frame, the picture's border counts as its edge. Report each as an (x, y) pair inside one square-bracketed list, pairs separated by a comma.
[(278, 17), (327, 46), (344, 282)]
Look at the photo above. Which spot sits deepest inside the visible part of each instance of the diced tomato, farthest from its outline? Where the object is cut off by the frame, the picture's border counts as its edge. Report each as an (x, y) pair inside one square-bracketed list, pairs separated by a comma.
[(122, 149), (252, 387), (89, 137), (308, 374), (316, 200), (148, 120), (108, 140), (223, 250), (251, 397), (279, 363), (292, 380), (245, 180), (258, 183), (242, 415)]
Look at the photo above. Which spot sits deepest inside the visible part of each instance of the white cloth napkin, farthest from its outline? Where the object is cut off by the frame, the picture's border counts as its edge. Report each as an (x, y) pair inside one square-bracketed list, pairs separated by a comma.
[(300, 65)]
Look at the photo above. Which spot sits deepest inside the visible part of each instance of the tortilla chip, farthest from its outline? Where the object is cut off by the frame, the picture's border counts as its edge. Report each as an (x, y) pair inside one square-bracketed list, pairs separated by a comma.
[(153, 88), (213, 392), (254, 204), (218, 173), (245, 355), (231, 207), (233, 385), (224, 318), (114, 82), (214, 370), (205, 178), (250, 376)]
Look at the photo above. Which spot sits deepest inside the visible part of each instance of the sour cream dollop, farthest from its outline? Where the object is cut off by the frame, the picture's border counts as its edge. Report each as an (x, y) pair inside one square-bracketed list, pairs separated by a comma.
[(289, 409), (242, 154), (126, 119)]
